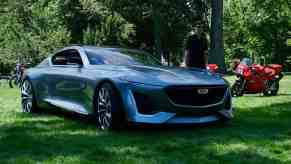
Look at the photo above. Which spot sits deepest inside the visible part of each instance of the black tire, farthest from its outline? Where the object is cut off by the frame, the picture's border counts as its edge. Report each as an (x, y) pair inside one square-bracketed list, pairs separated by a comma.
[(28, 101), (108, 112), (277, 86), (273, 90), (237, 89)]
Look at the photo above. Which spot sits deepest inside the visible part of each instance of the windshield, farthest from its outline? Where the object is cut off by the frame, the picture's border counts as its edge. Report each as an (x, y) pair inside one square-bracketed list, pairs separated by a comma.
[(247, 61), (120, 57)]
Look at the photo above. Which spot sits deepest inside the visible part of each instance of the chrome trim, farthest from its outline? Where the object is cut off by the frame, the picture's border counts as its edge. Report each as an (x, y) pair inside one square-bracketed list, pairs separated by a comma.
[(67, 106), (201, 107)]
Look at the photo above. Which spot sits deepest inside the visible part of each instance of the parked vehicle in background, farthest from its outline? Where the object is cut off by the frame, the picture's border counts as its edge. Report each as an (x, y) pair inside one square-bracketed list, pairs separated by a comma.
[(212, 68), (116, 86), (256, 78), (15, 79), (3, 79)]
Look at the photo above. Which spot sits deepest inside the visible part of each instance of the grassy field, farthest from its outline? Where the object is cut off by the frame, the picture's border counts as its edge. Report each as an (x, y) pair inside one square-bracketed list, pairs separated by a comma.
[(259, 133)]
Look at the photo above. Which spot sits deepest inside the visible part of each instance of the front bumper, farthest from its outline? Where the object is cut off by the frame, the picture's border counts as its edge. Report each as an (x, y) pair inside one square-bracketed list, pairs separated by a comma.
[(172, 118), (166, 111)]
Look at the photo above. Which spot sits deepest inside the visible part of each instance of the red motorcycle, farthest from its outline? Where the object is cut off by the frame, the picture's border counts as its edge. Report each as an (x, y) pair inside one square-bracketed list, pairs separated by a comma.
[(255, 78)]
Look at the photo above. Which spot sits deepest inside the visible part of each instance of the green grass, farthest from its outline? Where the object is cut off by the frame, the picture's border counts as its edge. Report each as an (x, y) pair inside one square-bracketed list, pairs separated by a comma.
[(259, 133)]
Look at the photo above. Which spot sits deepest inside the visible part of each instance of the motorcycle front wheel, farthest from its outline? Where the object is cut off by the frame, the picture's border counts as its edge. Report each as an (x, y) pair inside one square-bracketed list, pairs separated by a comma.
[(237, 88)]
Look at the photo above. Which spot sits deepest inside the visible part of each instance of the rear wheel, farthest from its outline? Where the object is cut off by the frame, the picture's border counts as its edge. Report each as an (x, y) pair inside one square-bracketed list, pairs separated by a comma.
[(108, 110), (273, 89), (28, 102)]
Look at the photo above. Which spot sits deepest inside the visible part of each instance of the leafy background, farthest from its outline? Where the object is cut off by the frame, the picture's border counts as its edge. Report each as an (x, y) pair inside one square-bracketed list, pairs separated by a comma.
[(30, 30)]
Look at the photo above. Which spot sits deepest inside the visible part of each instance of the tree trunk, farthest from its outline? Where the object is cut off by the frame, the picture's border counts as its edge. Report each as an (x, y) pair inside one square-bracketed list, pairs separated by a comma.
[(216, 35), (157, 30)]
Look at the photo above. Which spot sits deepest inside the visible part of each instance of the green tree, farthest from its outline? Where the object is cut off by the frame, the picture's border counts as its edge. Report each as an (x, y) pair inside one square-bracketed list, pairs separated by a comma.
[(260, 27), (163, 25), (113, 30), (29, 31)]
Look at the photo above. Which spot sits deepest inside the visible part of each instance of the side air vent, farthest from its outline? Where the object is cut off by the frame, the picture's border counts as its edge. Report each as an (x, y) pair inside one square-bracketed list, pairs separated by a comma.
[(143, 103)]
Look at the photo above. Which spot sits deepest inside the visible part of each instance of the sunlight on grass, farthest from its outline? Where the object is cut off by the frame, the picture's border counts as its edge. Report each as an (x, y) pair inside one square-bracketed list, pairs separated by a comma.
[(259, 133)]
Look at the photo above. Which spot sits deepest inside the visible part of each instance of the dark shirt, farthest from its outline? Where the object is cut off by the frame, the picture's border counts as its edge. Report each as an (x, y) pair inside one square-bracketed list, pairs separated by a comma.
[(196, 46)]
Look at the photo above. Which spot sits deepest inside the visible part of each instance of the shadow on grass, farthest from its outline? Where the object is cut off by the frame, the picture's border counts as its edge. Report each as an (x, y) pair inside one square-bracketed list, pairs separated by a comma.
[(45, 137), (261, 95), (284, 94), (246, 156)]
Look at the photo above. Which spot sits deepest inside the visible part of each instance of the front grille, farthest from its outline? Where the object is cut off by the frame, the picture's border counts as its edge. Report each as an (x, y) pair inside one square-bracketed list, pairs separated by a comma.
[(189, 95)]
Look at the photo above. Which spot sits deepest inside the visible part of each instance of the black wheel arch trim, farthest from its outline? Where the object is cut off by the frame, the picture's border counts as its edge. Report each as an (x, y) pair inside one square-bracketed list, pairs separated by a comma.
[(116, 89)]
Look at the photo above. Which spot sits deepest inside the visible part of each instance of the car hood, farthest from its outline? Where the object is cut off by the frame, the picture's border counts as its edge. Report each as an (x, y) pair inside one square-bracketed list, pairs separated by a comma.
[(170, 76)]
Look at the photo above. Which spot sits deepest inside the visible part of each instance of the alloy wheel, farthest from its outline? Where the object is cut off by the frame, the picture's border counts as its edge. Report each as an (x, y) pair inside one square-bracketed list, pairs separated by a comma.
[(26, 97), (104, 108)]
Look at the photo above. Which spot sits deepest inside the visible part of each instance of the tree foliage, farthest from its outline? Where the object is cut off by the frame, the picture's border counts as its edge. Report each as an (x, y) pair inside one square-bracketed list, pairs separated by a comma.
[(163, 25), (31, 29), (260, 27)]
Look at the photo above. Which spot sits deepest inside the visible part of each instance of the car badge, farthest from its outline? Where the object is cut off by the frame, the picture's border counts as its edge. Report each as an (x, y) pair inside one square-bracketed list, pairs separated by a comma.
[(202, 91)]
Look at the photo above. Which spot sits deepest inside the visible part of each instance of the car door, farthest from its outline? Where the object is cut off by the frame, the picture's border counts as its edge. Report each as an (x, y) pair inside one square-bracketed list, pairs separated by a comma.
[(67, 84)]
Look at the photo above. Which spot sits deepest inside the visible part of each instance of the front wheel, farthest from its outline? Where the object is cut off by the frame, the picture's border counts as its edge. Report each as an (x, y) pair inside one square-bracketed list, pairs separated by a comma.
[(108, 111), (237, 88), (28, 102)]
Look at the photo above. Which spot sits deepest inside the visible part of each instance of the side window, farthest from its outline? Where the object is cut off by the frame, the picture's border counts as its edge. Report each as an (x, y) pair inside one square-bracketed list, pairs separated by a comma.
[(73, 57), (59, 59), (67, 57)]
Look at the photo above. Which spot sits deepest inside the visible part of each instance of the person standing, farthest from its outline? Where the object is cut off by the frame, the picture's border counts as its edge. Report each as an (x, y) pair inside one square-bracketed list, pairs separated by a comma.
[(196, 53)]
